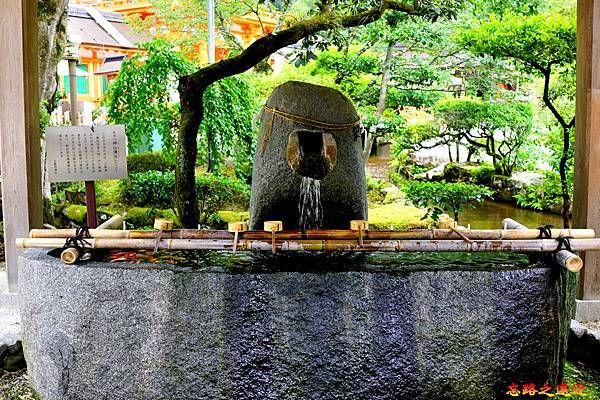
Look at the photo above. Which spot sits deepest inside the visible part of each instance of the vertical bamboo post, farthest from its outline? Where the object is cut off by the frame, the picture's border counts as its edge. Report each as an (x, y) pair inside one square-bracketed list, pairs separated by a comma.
[(273, 226), (359, 225), (236, 228)]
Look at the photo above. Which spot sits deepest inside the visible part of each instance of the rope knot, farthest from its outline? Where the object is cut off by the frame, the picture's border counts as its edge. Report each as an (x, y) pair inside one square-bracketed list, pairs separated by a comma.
[(545, 232), (563, 244)]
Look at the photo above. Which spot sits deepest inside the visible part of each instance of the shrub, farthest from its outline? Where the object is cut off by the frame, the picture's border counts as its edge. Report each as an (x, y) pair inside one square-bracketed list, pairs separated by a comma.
[(155, 189), (145, 162), (544, 196), (375, 192), (442, 197), (483, 174), (149, 189), (216, 192)]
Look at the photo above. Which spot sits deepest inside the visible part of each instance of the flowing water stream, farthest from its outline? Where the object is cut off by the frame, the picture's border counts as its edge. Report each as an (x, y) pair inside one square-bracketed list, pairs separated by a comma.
[(309, 204)]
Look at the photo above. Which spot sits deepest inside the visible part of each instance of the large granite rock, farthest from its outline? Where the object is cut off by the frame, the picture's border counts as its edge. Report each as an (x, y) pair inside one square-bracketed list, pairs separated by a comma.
[(99, 331), (289, 150)]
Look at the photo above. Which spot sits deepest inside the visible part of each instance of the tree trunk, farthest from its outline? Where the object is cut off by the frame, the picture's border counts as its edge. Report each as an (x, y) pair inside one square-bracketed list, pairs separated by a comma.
[(562, 168), (185, 178), (52, 37), (457, 151), (381, 103), (209, 153)]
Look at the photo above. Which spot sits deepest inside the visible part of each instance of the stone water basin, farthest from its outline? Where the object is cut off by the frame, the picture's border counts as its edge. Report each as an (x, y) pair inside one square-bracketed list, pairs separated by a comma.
[(249, 326)]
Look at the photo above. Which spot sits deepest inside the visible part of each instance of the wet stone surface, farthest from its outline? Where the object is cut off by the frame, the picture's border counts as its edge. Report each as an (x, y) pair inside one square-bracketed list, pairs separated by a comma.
[(387, 331)]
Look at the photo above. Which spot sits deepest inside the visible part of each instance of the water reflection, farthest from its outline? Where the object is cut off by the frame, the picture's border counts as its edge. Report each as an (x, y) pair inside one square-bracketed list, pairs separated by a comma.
[(490, 215)]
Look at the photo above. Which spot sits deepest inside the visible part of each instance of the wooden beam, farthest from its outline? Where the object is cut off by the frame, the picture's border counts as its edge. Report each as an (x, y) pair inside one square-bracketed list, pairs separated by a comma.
[(586, 205), (19, 126)]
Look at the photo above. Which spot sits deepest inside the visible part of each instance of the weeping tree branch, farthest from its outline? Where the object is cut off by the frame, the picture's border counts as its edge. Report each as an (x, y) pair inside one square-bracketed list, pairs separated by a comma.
[(566, 130), (192, 87)]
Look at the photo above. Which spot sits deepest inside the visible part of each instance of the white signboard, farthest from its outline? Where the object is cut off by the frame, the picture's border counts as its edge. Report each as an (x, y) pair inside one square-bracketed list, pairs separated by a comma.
[(86, 153)]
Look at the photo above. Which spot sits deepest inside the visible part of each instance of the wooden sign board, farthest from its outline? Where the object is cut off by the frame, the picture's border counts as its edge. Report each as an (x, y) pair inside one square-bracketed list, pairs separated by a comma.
[(86, 153)]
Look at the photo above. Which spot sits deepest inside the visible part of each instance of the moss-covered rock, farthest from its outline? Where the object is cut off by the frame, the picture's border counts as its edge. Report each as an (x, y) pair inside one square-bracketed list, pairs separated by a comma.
[(139, 217), (75, 213), (460, 172), (234, 216), (143, 217), (397, 216)]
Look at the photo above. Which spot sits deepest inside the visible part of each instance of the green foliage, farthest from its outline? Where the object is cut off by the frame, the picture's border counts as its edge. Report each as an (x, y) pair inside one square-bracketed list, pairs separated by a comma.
[(375, 193), (150, 161), (155, 189), (442, 197), (229, 106), (215, 192), (141, 96), (546, 196), (536, 41), (483, 174), (347, 65), (415, 134), (498, 128), (389, 127), (149, 189), (44, 116)]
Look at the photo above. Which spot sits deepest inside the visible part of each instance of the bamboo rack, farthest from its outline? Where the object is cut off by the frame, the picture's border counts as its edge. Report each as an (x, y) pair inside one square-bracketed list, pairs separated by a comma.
[(342, 234), (564, 258), (403, 245)]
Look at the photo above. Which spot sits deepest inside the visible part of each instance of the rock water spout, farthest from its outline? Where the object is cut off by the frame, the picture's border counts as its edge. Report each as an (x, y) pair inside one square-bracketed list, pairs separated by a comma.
[(309, 204), (308, 168)]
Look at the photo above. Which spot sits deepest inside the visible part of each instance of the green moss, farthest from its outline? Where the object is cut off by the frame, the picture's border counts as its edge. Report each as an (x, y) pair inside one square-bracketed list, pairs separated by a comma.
[(139, 217), (169, 214), (143, 217), (578, 374), (234, 216), (107, 192), (75, 213), (397, 216)]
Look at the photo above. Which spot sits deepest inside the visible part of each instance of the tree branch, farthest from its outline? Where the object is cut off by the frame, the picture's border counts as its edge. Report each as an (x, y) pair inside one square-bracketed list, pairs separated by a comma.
[(269, 44), (548, 101)]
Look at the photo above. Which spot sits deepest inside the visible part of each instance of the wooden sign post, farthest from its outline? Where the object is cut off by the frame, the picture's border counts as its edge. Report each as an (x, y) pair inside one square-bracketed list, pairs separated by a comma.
[(86, 153)]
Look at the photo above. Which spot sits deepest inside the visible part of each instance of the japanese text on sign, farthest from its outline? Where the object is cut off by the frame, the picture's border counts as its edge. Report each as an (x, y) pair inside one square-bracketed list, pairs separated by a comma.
[(86, 153)]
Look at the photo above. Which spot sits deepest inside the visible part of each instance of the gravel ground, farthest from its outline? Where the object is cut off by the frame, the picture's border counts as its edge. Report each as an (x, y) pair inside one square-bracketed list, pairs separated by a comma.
[(14, 386), (594, 325)]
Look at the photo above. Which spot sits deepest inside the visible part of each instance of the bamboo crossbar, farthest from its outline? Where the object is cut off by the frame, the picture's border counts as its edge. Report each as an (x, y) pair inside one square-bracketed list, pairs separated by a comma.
[(410, 245), (423, 234)]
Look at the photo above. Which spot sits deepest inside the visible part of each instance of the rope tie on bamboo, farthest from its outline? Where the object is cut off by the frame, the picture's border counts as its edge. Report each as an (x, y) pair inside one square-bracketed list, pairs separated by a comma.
[(299, 119), (78, 243), (545, 232), (564, 243)]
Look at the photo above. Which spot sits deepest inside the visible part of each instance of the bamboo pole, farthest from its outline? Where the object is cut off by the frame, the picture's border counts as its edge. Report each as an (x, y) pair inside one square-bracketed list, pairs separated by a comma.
[(527, 245), (564, 258), (114, 222), (423, 234)]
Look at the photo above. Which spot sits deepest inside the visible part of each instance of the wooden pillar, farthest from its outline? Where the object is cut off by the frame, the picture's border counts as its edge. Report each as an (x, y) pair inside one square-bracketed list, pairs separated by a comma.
[(19, 126), (586, 205)]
